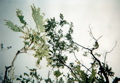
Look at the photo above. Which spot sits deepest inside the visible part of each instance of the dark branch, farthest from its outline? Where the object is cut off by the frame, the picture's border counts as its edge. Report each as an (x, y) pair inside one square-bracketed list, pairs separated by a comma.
[(116, 80), (69, 68), (82, 64), (12, 64), (101, 68)]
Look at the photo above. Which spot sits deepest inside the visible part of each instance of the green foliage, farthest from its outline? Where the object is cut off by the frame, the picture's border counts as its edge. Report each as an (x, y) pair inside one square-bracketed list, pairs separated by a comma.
[(52, 39), (20, 16), (13, 26), (48, 80), (85, 54), (92, 77), (96, 45), (59, 41), (57, 73), (34, 39), (38, 18), (31, 77)]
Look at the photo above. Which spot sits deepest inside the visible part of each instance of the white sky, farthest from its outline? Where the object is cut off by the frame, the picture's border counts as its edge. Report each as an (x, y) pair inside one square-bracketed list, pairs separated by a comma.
[(103, 15)]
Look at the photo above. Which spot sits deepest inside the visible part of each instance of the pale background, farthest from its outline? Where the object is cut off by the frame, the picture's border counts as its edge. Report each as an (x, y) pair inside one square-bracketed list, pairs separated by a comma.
[(103, 15)]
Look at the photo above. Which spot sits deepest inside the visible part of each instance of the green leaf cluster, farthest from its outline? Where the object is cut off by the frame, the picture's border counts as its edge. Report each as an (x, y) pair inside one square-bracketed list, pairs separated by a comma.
[(31, 77), (59, 41), (38, 18), (20, 16), (34, 38), (84, 76)]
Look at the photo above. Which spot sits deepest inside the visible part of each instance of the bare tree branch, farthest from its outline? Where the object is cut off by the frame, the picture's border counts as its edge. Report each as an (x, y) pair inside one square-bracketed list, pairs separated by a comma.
[(22, 50), (116, 80), (109, 52)]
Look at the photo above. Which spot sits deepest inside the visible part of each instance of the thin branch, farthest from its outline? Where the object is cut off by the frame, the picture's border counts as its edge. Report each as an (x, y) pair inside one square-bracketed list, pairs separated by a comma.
[(109, 51), (69, 68), (5, 76), (91, 52), (49, 72), (90, 32), (18, 52), (82, 64), (12, 64), (116, 80), (101, 68), (99, 37), (82, 46), (9, 67)]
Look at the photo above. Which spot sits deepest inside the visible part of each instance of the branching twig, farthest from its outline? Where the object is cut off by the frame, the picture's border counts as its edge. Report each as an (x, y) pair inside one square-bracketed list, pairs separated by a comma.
[(91, 34), (82, 46), (101, 68), (116, 80), (82, 64), (69, 68), (109, 52), (12, 64), (49, 72)]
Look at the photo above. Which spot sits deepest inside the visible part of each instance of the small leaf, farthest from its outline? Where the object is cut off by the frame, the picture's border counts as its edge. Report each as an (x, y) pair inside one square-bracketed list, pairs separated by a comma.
[(20, 76), (85, 54), (20, 16), (61, 80), (18, 79), (26, 74), (96, 45), (26, 43), (57, 73), (61, 16)]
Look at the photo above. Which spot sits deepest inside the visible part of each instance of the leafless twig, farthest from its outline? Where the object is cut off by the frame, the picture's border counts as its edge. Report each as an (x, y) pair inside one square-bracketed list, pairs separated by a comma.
[(109, 52)]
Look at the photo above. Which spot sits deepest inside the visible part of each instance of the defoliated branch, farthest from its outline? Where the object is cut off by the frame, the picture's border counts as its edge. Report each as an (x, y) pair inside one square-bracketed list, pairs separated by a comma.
[(109, 52)]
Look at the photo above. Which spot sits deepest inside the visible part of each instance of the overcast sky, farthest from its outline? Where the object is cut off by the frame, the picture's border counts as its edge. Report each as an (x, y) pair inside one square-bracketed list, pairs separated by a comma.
[(103, 15)]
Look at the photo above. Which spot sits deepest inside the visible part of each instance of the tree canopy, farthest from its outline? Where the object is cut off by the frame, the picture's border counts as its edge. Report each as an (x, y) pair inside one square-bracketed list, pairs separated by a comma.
[(52, 39)]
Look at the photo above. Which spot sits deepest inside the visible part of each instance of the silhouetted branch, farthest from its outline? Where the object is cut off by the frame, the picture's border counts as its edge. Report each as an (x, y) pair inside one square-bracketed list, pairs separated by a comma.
[(82, 64), (69, 68), (101, 68), (5, 76), (23, 50), (12, 64), (116, 80), (82, 46)]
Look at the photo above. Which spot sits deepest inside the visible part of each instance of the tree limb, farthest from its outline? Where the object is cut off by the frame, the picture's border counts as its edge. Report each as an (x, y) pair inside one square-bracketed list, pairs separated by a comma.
[(109, 51), (12, 64), (116, 80), (69, 69), (101, 68)]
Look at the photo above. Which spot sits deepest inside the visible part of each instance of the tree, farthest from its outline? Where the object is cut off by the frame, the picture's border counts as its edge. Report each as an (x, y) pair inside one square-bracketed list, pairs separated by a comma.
[(49, 40)]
